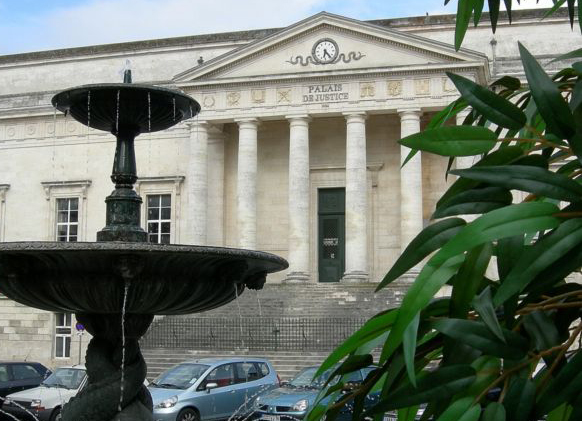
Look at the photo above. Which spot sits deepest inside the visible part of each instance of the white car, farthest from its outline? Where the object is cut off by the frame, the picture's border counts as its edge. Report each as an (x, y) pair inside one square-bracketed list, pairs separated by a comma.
[(45, 401)]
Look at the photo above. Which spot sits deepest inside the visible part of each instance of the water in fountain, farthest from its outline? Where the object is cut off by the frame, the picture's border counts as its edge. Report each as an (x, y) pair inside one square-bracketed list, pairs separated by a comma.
[(149, 113), (259, 302), (123, 309), (174, 107), (88, 113), (240, 321), (117, 113)]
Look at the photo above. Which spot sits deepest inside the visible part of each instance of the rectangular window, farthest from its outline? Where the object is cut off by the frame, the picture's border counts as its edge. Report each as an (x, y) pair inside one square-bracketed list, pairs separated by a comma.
[(67, 219), (159, 216), (63, 332)]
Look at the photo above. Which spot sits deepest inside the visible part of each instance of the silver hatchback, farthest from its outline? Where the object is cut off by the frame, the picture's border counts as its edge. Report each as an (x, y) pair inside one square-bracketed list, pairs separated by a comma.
[(210, 388)]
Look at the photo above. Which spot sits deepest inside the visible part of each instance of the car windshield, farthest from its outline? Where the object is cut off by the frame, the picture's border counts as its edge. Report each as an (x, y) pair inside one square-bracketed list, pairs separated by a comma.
[(180, 377), (305, 378), (68, 378)]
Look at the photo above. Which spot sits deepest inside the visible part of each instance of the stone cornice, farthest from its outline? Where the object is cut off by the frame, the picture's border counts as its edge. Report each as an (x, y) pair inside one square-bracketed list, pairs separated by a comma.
[(82, 185)]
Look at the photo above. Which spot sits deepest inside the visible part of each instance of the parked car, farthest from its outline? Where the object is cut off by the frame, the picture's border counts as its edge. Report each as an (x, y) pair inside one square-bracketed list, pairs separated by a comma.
[(16, 376), (293, 399), (46, 400), (210, 388)]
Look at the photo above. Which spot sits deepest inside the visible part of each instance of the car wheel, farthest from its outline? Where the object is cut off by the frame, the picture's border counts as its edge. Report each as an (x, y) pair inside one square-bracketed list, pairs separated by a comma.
[(56, 415), (188, 414)]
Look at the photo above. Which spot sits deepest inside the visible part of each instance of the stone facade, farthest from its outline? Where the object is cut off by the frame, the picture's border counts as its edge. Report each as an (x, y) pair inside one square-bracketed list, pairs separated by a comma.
[(278, 125)]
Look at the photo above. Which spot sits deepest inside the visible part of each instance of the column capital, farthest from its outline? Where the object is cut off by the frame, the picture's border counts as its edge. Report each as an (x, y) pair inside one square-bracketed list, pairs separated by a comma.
[(251, 121), (192, 125), (298, 117), (407, 113), (359, 116)]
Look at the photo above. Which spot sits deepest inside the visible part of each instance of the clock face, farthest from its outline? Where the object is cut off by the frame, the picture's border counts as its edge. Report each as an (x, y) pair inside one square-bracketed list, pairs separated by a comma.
[(325, 51)]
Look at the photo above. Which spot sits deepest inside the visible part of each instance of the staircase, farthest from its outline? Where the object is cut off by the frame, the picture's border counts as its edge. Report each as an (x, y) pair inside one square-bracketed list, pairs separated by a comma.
[(287, 364)]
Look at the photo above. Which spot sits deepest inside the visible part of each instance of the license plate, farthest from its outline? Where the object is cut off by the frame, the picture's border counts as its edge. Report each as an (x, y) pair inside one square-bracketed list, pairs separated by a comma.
[(271, 417)]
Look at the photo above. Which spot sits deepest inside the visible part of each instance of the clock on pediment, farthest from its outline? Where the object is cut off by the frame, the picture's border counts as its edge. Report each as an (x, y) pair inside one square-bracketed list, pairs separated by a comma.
[(325, 51)]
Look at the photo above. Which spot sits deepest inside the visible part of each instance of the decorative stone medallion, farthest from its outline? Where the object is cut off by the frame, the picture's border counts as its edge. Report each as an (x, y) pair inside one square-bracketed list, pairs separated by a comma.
[(232, 99), (284, 95), (367, 89), (394, 87), (258, 96)]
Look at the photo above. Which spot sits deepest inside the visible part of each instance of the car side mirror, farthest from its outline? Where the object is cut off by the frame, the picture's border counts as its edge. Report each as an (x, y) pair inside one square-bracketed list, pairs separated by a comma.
[(210, 386)]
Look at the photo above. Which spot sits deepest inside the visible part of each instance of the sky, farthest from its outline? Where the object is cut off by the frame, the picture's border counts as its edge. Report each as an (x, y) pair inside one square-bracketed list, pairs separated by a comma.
[(36, 25)]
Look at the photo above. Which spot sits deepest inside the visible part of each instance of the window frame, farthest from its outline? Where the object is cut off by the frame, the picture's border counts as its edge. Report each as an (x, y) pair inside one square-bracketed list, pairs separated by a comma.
[(68, 223), (64, 336), (65, 190), (158, 221), (172, 185)]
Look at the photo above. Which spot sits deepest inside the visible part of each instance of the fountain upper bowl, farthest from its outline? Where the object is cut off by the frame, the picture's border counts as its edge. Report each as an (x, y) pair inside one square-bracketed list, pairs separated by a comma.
[(113, 107)]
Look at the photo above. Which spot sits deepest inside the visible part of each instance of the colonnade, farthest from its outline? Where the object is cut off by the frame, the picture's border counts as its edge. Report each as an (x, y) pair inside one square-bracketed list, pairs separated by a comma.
[(207, 228)]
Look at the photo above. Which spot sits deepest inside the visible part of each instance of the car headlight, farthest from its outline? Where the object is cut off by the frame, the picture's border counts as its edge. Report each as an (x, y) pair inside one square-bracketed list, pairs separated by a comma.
[(168, 403), (36, 403), (300, 406)]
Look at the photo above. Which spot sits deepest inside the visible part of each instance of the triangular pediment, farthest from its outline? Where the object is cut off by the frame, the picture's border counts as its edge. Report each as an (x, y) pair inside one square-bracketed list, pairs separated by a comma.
[(358, 45)]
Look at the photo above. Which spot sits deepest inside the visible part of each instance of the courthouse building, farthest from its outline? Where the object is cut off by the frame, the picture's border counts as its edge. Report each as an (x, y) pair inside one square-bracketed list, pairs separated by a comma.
[(294, 152)]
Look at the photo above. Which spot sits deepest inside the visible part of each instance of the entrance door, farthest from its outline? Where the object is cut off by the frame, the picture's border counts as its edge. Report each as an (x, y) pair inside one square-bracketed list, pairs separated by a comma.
[(331, 238)]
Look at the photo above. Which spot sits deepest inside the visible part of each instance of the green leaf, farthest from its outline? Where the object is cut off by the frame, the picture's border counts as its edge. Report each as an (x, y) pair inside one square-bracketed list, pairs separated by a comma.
[(428, 282), (508, 251), (493, 13), (488, 369), (542, 329), (477, 335), (508, 8), (408, 414), (478, 10), (439, 384), (467, 281), (452, 140), (474, 201), (461, 410), (499, 157), (494, 412), (501, 223), (373, 328), (551, 105), (494, 107), (451, 110), (351, 364), (571, 12), (430, 239), (508, 82), (536, 258), (409, 347), (519, 400), (531, 179), (565, 386), (484, 306), (464, 11), (561, 413), (556, 6)]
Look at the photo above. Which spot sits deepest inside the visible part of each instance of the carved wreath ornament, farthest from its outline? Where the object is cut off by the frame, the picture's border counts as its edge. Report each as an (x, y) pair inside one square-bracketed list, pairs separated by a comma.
[(325, 51)]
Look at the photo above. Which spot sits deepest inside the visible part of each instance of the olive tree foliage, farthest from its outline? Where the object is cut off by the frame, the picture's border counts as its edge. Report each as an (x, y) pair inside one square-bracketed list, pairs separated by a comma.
[(517, 332)]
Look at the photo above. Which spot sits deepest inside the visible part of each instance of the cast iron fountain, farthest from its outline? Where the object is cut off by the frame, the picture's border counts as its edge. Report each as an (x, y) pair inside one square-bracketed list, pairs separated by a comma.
[(116, 285)]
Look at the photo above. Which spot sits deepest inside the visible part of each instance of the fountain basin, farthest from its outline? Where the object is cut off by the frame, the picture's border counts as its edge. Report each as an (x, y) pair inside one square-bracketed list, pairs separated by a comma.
[(140, 108), (164, 279)]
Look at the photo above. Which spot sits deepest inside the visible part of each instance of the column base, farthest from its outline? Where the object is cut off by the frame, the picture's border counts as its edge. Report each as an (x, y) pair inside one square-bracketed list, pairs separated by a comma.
[(409, 277), (296, 278), (356, 277)]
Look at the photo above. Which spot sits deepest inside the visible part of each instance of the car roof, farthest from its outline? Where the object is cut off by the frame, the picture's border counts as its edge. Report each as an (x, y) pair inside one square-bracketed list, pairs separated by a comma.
[(76, 366), (213, 361), (22, 362)]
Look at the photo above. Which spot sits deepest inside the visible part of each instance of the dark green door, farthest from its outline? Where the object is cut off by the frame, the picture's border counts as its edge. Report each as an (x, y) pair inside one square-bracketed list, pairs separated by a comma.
[(331, 238)]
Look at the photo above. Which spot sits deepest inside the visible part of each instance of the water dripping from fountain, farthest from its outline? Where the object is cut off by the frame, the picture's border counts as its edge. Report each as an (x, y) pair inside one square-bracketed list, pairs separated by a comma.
[(149, 114), (190, 112), (259, 302), (117, 114), (174, 104), (119, 408), (240, 323), (88, 113)]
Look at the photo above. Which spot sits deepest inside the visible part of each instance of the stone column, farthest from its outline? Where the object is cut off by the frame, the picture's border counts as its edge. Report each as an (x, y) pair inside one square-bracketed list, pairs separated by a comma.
[(215, 229), (247, 184), (298, 199), (356, 200), (197, 176), (410, 181)]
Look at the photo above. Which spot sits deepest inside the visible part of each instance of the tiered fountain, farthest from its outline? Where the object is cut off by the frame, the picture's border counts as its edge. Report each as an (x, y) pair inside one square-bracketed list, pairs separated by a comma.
[(116, 285)]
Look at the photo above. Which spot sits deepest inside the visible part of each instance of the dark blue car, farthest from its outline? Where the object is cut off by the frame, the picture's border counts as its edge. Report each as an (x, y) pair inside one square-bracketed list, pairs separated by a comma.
[(294, 399)]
